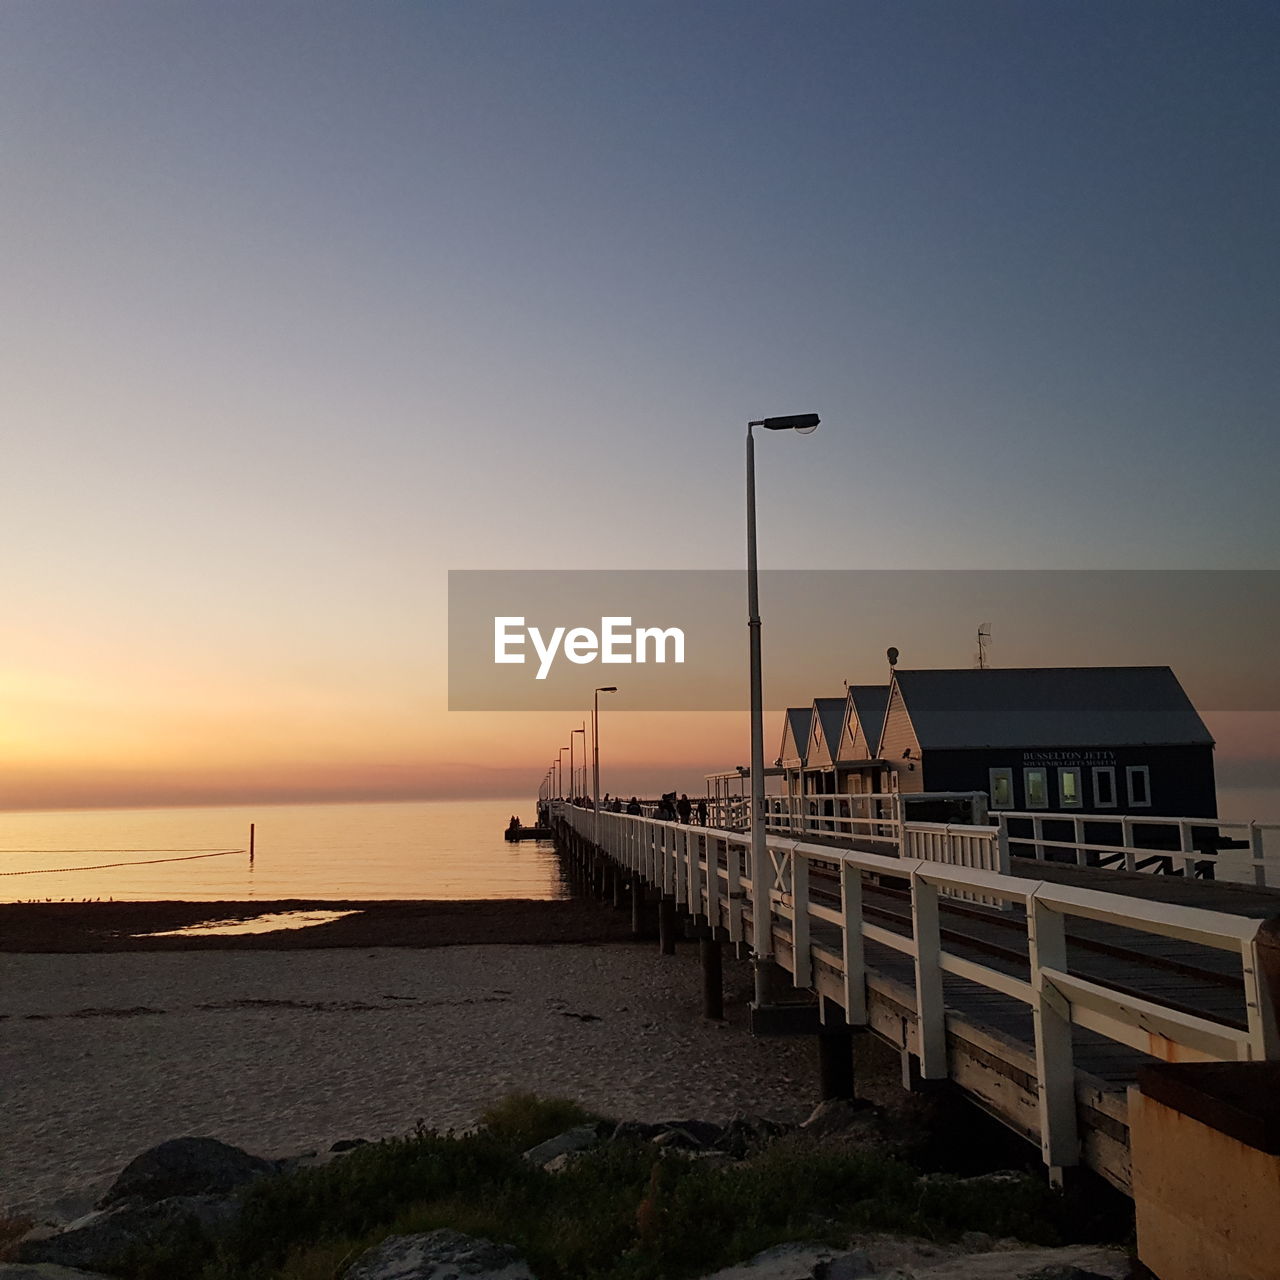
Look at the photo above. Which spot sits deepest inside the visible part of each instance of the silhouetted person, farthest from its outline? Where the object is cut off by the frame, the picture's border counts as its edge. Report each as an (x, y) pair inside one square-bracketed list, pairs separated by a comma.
[(684, 808), (702, 813), (633, 807)]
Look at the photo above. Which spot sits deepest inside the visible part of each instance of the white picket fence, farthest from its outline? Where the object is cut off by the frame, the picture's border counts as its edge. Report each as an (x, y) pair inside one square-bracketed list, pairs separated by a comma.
[(709, 873)]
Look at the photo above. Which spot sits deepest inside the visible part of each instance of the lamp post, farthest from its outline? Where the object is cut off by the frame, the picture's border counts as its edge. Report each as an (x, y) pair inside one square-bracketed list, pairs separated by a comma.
[(761, 884), (595, 758), (560, 762), (573, 791)]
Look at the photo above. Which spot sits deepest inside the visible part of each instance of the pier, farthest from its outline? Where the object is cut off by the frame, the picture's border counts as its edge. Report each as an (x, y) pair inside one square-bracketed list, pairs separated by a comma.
[(1036, 986)]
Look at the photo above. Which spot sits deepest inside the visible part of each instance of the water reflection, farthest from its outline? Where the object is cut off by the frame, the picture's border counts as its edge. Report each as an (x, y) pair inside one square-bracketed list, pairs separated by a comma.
[(269, 922)]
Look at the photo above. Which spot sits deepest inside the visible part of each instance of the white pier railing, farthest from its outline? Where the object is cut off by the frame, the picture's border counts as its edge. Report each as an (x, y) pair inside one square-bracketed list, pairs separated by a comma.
[(709, 873), (1257, 861)]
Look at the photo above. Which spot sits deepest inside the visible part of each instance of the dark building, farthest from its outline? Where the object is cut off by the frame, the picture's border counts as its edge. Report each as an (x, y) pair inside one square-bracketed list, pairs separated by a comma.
[(1107, 741)]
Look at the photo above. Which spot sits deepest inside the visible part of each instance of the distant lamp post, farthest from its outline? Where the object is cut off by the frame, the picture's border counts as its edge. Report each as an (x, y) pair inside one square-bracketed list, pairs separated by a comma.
[(595, 758), (574, 793), (761, 882)]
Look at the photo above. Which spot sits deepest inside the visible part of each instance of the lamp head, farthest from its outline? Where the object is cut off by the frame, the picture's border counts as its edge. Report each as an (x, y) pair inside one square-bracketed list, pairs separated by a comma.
[(802, 423), (607, 688)]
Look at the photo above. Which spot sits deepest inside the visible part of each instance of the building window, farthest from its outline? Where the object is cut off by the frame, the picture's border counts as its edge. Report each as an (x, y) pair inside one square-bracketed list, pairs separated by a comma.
[(1138, 779), (1104, 787), (1069, 788), (1036, 784), (1001, 788)]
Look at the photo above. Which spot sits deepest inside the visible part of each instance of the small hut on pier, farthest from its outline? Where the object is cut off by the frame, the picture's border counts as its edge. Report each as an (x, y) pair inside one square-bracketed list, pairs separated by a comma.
[(1097, 740)]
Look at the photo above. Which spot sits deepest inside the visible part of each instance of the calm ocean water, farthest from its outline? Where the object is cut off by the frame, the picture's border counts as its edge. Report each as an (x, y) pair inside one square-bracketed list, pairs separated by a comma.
[(443, 849), (449, 849)]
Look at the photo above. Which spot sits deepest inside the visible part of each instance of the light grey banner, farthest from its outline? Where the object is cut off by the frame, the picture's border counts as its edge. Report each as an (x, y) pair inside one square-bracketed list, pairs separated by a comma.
[(542, 640)]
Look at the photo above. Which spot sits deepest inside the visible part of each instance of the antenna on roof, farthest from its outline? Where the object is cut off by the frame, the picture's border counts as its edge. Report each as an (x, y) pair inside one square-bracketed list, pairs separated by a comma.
[(892, 654), (984, 636)]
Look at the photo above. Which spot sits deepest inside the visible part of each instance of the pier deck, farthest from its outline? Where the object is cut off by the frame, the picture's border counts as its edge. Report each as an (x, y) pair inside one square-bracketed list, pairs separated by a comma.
[(1038, 992)]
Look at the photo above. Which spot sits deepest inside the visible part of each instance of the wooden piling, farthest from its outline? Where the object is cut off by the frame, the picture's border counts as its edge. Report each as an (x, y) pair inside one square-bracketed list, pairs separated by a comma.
[(667, 925), (709, 952), (835, 1055)]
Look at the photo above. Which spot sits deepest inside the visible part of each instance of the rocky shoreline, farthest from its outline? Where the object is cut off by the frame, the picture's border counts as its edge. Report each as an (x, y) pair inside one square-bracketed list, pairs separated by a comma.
[(197, 1184)]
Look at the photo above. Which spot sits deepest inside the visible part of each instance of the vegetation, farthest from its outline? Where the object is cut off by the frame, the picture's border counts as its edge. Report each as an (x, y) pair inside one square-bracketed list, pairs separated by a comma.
[(626, 1210)]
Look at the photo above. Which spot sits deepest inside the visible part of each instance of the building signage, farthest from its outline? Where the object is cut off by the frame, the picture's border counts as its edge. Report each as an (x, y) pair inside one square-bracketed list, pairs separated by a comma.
[(1092, 756)]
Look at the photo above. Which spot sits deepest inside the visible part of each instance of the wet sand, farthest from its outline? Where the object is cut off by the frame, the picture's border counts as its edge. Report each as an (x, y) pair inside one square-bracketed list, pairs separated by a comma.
[(128, 926)]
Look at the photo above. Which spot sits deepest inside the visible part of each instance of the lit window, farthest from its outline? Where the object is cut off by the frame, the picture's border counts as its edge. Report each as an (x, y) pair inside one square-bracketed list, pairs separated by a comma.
[(1138, 778), (1069, 788), (1036, 784), (1104, 787), (1002, 788)]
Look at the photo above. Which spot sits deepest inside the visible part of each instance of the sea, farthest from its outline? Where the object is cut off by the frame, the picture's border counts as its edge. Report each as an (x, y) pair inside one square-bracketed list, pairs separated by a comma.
[(438, 849), (443, 850)]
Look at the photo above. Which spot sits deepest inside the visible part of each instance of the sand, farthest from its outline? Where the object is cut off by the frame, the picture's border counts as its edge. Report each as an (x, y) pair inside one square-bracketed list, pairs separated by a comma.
[(283, 1051)]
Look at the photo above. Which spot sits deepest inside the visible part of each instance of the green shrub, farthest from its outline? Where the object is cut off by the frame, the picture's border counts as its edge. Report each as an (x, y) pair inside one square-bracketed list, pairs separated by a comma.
[(522, 1120)]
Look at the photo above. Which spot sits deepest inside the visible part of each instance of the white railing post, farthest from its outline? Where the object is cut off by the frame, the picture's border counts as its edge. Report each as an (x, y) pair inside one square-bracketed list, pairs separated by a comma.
[(855, 965), (1055, 1061), (1257, 853), (693, 867), (1003, 864), (931, 1014), (733, 887), (1082, 854), (1185, 845), (802, 962), (1260, 999)]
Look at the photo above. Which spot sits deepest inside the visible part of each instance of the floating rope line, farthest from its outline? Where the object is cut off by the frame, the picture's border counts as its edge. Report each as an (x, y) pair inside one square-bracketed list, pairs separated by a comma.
[(99, 849), (103, 866)]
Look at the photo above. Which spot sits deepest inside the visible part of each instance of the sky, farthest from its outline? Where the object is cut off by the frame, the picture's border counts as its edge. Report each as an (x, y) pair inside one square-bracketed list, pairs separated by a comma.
[(303, 306)]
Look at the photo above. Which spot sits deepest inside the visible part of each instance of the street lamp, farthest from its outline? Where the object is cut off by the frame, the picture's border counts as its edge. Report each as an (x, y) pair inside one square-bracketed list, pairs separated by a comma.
[(595, 757), (761, 885), (574, 792)]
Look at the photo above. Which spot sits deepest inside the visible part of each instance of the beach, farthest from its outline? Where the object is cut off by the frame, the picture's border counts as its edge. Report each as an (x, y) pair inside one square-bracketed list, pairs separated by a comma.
[(288, 1048)]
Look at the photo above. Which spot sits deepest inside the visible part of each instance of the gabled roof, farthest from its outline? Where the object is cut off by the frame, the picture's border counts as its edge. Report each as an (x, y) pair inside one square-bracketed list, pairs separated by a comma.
[(864, 709), (824, 731), (1050, 707), (795, 737)]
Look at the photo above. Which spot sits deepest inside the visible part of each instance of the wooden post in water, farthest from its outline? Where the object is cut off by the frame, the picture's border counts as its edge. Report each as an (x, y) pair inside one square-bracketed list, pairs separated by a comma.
[(251, 826)]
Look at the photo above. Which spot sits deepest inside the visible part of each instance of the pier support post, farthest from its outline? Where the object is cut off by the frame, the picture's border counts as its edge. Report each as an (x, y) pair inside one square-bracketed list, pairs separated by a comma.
[(615, 876), (667, 925), (709, 952), (770, 980), (835, 1054), (637, 907)]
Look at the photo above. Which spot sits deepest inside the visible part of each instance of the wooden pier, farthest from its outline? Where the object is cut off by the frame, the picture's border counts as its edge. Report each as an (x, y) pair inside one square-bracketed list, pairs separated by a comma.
[(1037, 988)]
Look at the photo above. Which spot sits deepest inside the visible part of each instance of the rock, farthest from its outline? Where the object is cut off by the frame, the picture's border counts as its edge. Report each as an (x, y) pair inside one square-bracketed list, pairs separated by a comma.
[(578, 1138), (349, 1144), (1068, 1262), (785, 1262), (102, 1238), (45, 1271), (440, 1255), (184, 1167), (836, 1115), (635, 1131), (746, 1133), (854, 1265), (1063, 1271)]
